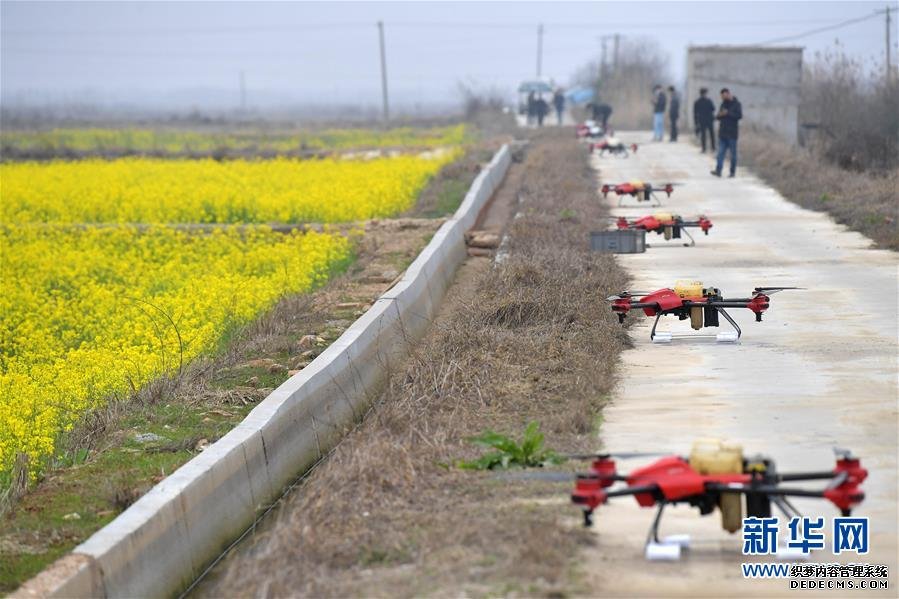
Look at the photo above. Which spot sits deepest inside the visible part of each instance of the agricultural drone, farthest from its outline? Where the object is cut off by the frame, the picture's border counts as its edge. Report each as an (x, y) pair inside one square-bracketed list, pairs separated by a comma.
[(669, 225), (689, 299), (613, 146), (715, 475), (642, 191), (590, 129)]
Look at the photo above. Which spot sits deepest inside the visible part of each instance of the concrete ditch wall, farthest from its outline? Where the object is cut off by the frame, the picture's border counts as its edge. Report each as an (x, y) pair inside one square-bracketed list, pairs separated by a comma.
[(164, 541)]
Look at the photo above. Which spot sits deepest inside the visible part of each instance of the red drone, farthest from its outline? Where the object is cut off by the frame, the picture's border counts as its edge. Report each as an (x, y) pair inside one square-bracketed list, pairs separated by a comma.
[(590, 129), (640, 190), (715, 475), (669, 225), (612, 146), (689, 299)]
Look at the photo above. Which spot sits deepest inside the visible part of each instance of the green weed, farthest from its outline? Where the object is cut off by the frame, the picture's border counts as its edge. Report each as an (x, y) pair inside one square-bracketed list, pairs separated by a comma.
[(508, 453)]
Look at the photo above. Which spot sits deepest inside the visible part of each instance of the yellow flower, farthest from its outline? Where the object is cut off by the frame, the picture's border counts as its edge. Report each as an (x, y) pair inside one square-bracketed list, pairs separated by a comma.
[(89, 314), (100, 294), (144, 190)]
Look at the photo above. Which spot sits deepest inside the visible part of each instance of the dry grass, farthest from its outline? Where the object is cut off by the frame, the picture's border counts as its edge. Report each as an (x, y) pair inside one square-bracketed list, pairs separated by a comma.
[(855, 110), (865, 202), (530, 339)]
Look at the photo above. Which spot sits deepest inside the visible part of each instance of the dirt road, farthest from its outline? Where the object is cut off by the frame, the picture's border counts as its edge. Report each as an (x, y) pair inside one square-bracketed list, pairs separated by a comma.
[(819, 371)]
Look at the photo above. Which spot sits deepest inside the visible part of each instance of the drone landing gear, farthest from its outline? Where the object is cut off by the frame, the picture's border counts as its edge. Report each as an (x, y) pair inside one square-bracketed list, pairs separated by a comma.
[(668, 548), (723, 337), (686, 245), (790, 511), (646, 198)]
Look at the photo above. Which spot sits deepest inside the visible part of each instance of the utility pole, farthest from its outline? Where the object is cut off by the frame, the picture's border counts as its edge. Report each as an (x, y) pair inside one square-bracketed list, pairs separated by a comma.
[(889, 62), (539, 50), (383, 72), (243, 92), (602, 59), (615, 54), (609, 66)]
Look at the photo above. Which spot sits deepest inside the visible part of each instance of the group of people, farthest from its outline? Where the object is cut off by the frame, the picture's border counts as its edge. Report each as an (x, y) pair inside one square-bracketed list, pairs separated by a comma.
[(704, 116), (538, 108)]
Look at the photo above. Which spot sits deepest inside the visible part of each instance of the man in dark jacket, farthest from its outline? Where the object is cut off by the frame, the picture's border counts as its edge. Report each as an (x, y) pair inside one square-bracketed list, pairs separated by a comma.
[(673, 111), (658, 113), (729, 115), (601, 113), (559, 104), (704, 118), (542, 110), (532, 107)]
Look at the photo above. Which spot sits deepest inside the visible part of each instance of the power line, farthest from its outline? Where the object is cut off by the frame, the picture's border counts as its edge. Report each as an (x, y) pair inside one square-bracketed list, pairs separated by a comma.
[(407, 24), (820, 30), (288, 28)]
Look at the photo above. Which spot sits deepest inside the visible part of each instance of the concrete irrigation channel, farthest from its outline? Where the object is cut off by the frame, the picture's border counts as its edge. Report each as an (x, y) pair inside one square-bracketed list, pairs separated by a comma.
[(819, 372)]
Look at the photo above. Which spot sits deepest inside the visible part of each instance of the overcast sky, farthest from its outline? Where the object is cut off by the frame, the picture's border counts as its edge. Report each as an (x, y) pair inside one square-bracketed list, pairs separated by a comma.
[(192, 53)]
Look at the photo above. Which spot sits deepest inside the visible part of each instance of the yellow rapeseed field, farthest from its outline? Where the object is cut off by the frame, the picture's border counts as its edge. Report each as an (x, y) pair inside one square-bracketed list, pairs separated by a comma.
[(98, 140), (94, 313), (100, 294), (150, 190)]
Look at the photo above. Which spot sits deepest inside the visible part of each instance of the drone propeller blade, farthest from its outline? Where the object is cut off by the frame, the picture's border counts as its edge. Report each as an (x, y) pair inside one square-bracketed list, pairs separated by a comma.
[(843, 453), (626, 294), (553, 476), (772, 290), (624, 455), (838, 480)]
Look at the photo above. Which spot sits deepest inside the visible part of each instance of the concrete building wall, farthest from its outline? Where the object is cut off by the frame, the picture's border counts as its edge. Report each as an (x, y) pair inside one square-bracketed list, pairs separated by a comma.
[(765, 80)]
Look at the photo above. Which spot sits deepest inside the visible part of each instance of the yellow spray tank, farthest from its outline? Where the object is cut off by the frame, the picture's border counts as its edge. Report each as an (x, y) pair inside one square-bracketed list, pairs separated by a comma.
[(664, 217), (691, 289), (714, 456)]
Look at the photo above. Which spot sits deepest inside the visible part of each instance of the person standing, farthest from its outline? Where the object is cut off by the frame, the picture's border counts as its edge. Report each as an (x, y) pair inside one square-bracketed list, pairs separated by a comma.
[(673, 111), (704, 118), (542, 110), (658, 113), (729, 114), (559, 103), (532, 108)]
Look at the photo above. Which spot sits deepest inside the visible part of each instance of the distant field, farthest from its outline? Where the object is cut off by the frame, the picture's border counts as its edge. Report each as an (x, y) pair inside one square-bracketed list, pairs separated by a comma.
[(91, 313), (159, 142)]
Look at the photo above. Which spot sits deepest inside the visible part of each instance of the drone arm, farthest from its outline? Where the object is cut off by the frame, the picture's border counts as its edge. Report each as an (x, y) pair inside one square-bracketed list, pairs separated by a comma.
[(590, 493), (843, 491), (638, 305), (730, 303), (651, 489), (793, 476), (763, 489), (703, 223), (623, 305), (758, 304)]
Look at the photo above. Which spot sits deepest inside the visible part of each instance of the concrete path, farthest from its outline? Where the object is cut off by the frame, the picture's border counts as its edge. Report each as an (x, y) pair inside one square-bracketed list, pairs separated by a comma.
[(821, 370)]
